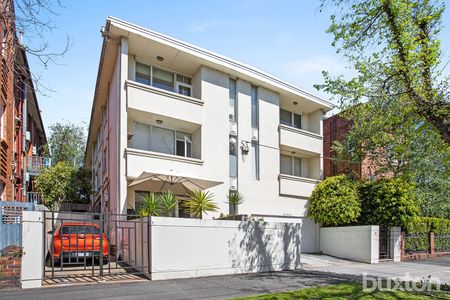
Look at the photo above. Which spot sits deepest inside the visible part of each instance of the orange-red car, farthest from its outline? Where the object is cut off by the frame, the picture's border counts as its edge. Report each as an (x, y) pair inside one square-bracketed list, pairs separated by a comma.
[(75, 240)]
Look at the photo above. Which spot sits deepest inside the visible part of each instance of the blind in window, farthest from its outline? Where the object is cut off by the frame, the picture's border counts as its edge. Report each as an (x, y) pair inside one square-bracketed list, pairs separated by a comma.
[(163, 140), (142, 136)]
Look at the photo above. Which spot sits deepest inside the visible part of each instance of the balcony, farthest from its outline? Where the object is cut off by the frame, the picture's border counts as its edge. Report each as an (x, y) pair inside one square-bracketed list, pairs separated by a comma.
[(296, 186), (139, 161), (301, 139), (36, 163), (146, 98), (34, 197)]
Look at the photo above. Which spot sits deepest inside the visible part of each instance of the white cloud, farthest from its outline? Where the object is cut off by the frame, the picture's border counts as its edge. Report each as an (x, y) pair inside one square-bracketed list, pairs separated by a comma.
[(207, 25)]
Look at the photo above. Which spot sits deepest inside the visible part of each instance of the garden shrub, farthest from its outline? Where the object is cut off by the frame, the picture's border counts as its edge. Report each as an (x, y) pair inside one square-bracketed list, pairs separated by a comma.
[(334, 202), (387, 202), (420, 228)]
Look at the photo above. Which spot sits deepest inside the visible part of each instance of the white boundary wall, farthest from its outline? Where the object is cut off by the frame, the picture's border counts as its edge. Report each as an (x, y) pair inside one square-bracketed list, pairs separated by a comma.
[(183, 248), (358, 243), (32, 244)]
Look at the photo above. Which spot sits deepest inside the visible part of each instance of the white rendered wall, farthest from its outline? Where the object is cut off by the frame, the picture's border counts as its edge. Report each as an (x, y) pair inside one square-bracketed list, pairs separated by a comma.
[(190, 247), (358, 243), (32, 247)]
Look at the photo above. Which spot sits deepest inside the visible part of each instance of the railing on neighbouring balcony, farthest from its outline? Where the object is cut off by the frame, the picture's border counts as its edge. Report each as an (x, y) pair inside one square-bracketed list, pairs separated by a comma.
[(34, 197), (36, 163)]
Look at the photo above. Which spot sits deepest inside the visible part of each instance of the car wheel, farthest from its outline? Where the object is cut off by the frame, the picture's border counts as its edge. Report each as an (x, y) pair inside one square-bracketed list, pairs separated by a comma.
[(48, 261)]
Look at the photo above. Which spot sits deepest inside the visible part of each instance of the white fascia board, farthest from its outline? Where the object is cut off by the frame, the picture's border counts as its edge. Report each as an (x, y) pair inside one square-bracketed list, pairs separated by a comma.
[(217, 59)]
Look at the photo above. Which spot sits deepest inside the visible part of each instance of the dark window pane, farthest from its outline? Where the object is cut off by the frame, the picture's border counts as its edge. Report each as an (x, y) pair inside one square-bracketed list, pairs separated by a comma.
[(142, 73), (184, 90), (180, 148), (285, 117), (297, 121)]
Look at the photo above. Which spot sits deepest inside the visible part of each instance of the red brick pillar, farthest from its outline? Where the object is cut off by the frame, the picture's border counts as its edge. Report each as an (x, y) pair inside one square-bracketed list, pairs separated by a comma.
[(431, 244), (403, 245)]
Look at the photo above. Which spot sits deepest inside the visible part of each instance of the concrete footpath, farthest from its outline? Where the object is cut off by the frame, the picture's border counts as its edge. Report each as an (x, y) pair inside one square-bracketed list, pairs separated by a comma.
[(316, 270)]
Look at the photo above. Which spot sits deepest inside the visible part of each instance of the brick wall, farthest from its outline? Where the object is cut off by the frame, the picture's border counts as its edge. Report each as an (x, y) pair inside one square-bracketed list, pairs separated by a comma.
[(10, 267)]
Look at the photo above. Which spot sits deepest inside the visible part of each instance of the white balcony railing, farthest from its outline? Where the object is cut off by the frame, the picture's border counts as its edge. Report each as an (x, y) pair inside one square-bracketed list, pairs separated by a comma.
[(297, 186), (301, 139)]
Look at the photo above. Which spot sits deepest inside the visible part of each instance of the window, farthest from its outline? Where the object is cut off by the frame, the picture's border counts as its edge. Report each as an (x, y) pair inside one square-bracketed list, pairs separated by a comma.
[(254, 100), (163, 79), (232, 101), (290, 165), (233, 157), (142, 136), (184, 85), (255, 160), (290, 119), (184, 144), (143, 73), (162, 140)]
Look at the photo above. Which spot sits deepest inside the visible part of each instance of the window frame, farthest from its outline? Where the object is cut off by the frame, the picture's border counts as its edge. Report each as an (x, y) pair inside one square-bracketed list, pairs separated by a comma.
[(292, 165), (176, 83), (292, 118), (150, 126)]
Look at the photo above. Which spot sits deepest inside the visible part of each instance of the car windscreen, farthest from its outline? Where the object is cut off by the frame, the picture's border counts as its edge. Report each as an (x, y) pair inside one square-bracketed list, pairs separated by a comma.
[(80, 229)]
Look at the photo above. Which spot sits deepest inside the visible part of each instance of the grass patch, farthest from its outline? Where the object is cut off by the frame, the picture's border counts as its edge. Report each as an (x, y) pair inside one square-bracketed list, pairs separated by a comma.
[(349, 291)]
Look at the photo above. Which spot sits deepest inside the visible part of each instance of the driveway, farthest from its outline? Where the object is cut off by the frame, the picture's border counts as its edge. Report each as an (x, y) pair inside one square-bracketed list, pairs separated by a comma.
[(437, 268), (316, 270)]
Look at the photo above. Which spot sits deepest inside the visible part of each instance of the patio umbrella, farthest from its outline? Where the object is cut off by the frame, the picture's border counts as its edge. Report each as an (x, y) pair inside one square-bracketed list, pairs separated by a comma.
[(175, 182)]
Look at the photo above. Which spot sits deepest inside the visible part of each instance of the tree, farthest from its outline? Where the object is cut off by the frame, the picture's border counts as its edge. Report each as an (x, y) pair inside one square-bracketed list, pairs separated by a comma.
[(394, 47), (200, 202), (387, 202), (398, 101), (334, 202), (33, 21), (67, 143), (64, 182)]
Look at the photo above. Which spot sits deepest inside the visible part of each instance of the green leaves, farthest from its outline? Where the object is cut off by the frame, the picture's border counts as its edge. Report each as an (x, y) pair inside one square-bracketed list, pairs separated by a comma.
[(200, 202), (66, 143), (394, 47), (388, 202), (64, 182), (335, 202), (164, 204), (149, 206)]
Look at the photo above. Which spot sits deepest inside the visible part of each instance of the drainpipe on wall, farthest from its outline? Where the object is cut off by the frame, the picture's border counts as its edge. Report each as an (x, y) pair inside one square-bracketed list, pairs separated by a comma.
[(24, 139)]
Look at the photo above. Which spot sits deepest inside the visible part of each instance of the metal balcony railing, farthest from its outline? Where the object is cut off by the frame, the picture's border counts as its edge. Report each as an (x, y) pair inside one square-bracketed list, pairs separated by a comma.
[(34, 197), (36, 163)]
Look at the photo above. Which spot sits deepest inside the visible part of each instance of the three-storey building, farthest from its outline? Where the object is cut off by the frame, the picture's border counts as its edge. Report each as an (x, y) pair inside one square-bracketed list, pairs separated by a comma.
[(162, 105)]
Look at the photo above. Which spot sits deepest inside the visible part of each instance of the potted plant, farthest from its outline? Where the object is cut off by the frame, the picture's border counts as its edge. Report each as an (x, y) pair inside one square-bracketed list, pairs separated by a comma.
[(200, 202), (234, 199)]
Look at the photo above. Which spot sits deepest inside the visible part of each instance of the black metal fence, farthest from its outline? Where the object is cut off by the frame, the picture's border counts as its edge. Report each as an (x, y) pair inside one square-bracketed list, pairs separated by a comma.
[(442, 243), (80, 245), (417, 243)]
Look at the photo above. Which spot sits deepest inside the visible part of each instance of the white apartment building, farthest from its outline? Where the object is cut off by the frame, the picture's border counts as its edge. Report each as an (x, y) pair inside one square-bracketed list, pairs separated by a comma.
[(162, 105)]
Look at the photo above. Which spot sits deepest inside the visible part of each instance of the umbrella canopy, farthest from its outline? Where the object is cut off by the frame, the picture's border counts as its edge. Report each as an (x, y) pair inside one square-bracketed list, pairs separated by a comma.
[(175, 182)]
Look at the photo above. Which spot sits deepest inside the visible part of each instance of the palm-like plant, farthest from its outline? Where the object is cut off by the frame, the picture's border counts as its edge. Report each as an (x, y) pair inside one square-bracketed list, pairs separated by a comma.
[(234, 199), (200, 202), (150, 206), (168, 202)]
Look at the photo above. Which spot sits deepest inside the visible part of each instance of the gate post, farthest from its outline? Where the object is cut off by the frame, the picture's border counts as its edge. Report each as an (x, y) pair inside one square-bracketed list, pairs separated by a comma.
[(32, 247), (395, 243)]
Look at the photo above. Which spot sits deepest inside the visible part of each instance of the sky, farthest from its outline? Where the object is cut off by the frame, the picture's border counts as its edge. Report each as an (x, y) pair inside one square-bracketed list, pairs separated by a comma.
[(284, 38)]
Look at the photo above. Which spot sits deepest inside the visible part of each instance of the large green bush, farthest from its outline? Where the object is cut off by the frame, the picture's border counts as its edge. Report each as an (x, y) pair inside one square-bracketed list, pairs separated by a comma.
[(387, 202), (335, 202), (419, 229)]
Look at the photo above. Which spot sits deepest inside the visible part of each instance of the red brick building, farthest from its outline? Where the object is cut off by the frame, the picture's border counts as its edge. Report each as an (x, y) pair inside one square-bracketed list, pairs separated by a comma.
[(334, 129), (21, 129)]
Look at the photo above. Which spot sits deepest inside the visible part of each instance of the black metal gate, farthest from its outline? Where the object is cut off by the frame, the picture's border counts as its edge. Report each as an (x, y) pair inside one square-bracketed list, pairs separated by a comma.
[(89, 247), (384, 245)]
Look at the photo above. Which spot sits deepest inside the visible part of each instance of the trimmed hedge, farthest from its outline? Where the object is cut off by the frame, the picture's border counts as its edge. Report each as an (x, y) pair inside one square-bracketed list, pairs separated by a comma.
[(335, 202), (387, 202), (417, 234)]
